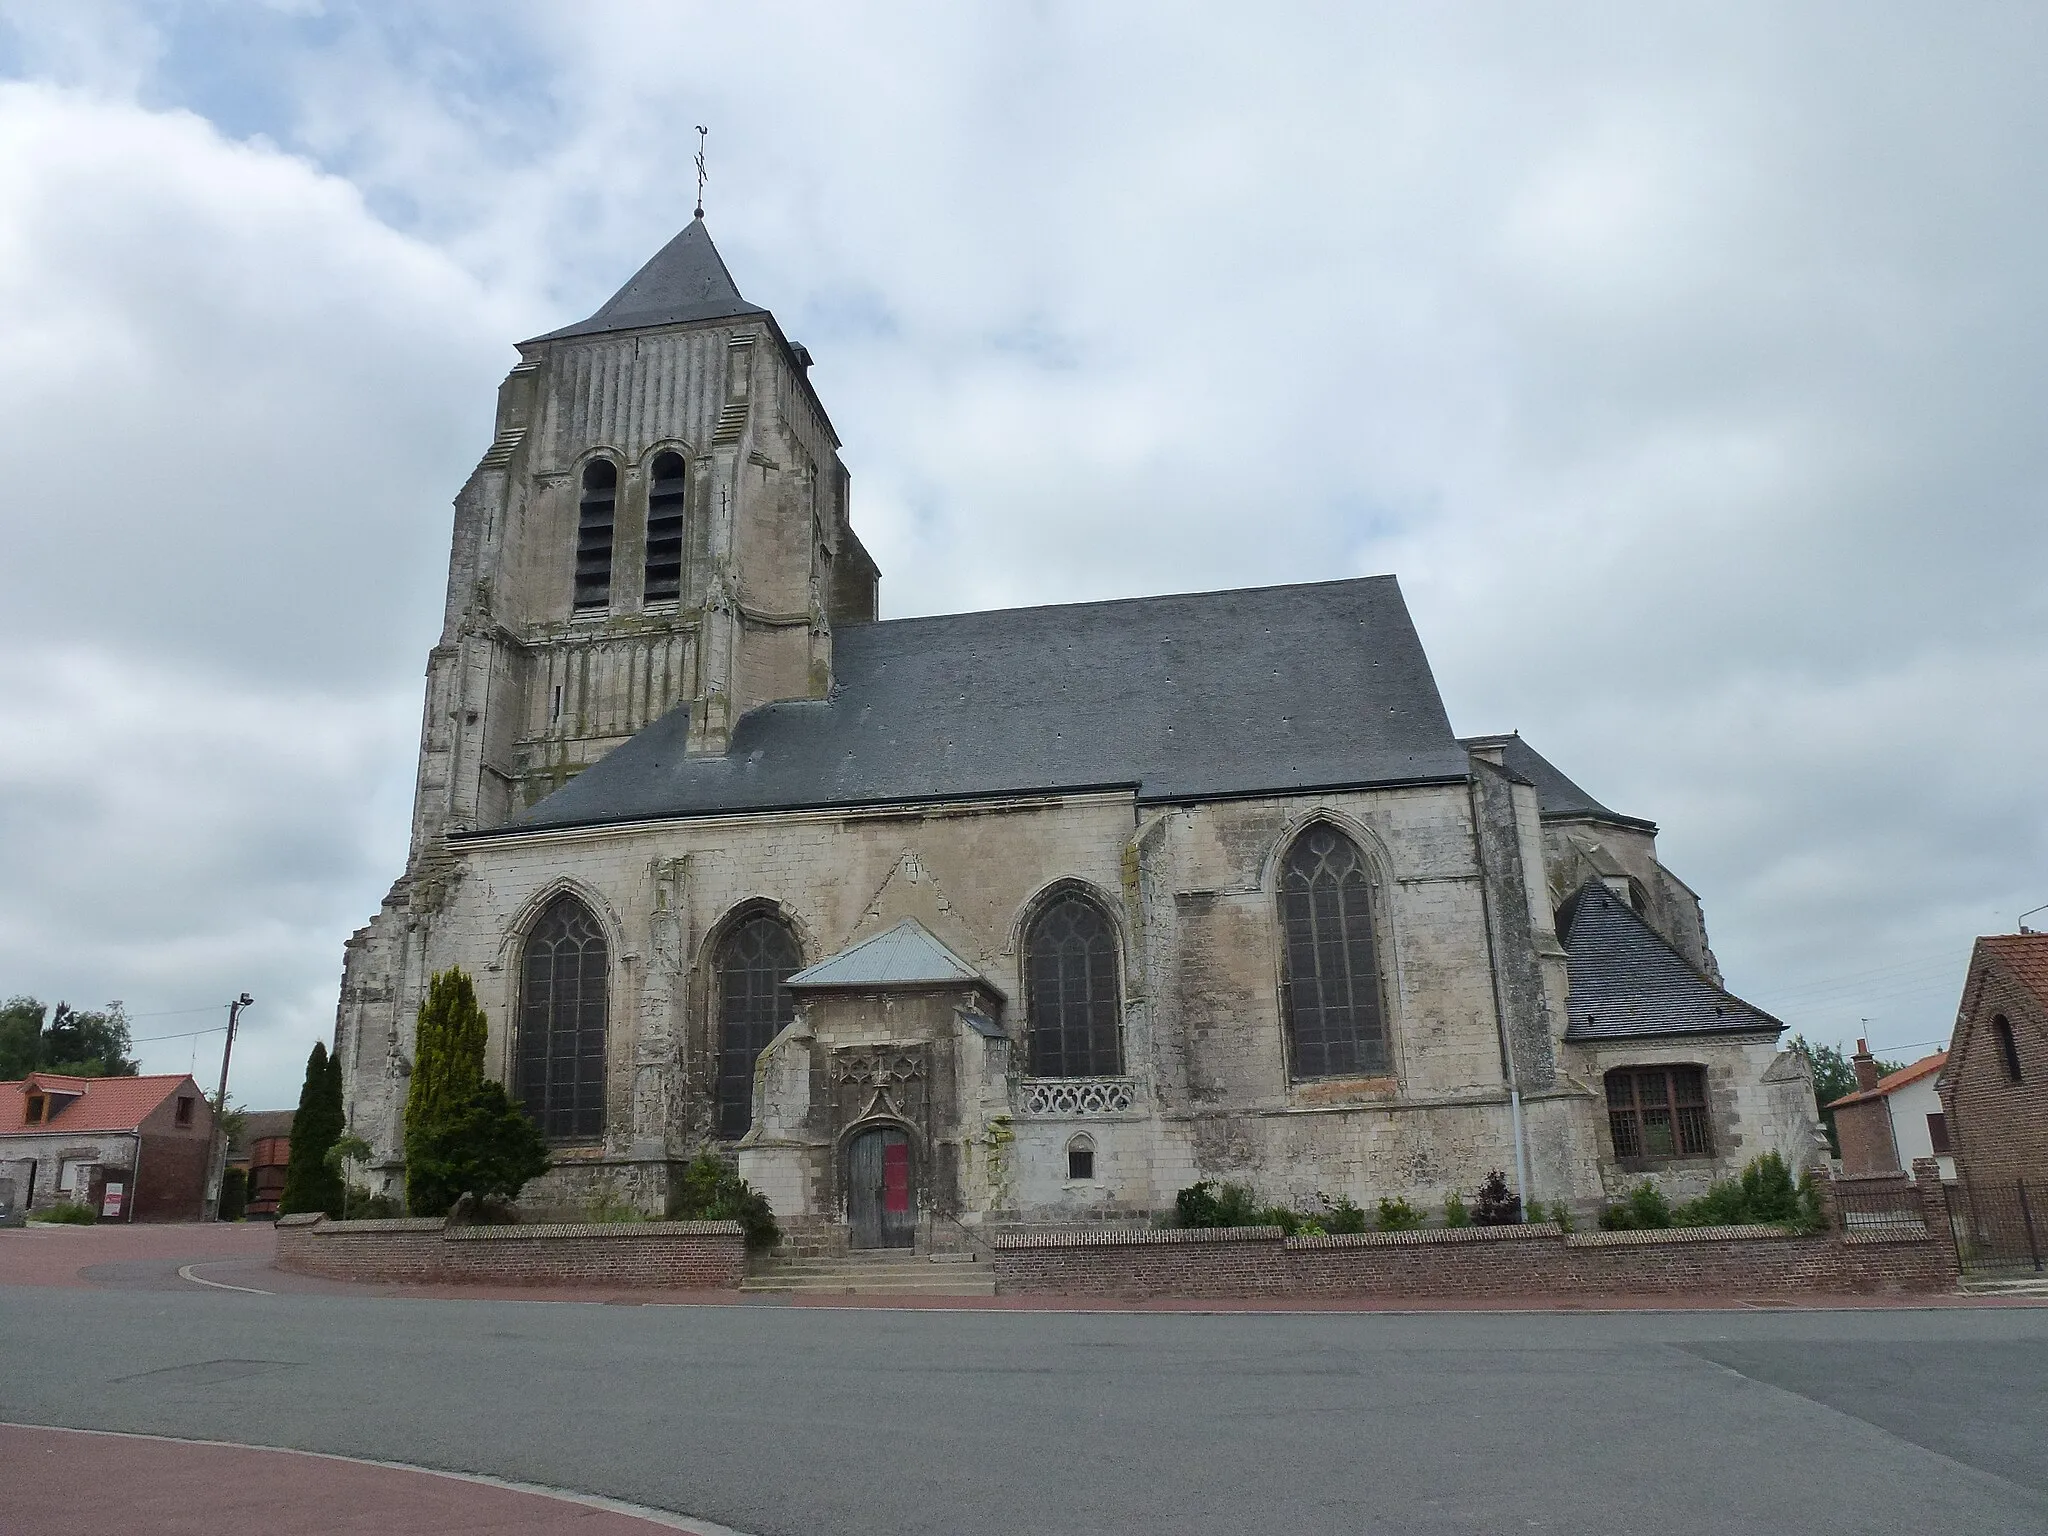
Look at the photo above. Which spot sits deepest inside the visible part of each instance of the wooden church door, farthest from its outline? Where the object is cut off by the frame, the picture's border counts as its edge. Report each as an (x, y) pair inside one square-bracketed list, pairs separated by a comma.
[(881, 1198)]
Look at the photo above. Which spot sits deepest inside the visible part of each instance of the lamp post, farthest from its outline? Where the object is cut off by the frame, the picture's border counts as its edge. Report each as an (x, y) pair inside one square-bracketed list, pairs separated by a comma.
[(218, 1170)]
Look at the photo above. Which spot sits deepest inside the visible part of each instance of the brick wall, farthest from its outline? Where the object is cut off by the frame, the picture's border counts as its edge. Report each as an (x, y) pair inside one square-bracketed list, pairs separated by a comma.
[(1865, 1131), (677, 1255), (171, 1183), (1475, 1263), (1998, 1127)]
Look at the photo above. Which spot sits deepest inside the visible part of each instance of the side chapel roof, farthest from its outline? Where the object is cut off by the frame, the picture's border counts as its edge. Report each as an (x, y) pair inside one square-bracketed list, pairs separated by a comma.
[(1626, 983), (1557, 797), (1198, 696), (685, 280)]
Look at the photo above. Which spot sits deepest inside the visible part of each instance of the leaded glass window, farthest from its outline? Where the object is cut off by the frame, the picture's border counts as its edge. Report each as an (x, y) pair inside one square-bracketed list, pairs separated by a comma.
[(1071, 1001), (562, 1003), (1330, 982), (1658, 1112), (755, 961)]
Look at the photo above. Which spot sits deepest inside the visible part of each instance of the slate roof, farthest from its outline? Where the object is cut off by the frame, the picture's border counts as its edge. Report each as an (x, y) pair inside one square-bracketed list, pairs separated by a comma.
[(906, 955), (1628, 984), (1198, 696), (1892, 1082), (1556, 795), (686, 280), (86, 1103)]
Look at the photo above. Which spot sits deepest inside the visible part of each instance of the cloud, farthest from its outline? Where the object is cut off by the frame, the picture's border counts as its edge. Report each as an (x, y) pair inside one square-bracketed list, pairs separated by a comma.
[(1684, 367)]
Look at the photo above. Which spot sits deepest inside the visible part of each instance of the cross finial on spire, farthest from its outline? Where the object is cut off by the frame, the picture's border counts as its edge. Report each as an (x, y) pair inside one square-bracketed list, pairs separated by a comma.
[(702, 131)]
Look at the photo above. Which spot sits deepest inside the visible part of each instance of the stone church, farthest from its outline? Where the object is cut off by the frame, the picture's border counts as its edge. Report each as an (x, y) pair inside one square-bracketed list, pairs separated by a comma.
[(1022, 917)]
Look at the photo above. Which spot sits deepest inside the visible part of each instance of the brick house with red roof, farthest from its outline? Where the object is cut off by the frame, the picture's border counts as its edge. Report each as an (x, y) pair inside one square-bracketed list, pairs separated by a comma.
[(78, 1138), (1893, 1118), (1995, 1084)]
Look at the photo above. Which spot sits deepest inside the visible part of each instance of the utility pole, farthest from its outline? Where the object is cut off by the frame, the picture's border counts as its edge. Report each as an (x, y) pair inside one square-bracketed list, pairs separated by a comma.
[(219, 1171)]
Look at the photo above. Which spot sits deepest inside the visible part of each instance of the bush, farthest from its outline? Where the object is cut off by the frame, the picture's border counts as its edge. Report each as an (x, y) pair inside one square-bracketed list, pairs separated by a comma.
[(1455, 1214), (485, 1146), (67, 1213), (1343, 1218), (447, 1072), (1398, 1216), (362, 1205), (1494, 1204), (1644, 1209), (234, 1194), (711, 1190), (1206, 1205), (1765, 1195), (310, 1185)]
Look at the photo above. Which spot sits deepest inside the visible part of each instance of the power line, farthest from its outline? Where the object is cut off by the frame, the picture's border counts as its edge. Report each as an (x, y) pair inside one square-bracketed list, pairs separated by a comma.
[(189, 1034)]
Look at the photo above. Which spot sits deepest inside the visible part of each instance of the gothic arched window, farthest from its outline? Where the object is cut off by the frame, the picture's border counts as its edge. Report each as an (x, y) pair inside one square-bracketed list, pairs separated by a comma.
[(1071, 1002), (594, 534), (1330, 981), (562, 989), (665, 530), (755, 961)]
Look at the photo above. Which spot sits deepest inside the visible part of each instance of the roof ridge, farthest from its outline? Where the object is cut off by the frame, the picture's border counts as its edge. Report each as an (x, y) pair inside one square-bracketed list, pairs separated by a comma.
[(1126, 602)]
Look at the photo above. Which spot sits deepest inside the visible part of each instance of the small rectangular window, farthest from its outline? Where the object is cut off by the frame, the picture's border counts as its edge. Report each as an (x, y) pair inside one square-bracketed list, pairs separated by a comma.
[(555, 706), (1659, 1112), (184, 1110), (37, 1104), (1937, 1133)]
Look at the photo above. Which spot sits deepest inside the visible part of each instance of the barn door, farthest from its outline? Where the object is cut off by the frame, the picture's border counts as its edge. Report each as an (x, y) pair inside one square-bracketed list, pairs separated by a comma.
[(881, 1197)]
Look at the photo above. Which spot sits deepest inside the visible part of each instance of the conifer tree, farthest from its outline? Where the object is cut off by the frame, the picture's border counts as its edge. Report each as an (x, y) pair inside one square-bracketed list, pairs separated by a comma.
[(448, 1050), (309, 1184), (458, 1127)]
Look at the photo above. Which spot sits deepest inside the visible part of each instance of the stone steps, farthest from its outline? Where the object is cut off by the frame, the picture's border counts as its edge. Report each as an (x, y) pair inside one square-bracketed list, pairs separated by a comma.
[(895, 1275), (2034, 1286)]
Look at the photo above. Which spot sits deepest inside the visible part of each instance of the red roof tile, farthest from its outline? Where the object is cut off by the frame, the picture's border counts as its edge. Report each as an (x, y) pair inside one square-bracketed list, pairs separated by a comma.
[(100, 1104), (1892, 1082), (2026, 956)]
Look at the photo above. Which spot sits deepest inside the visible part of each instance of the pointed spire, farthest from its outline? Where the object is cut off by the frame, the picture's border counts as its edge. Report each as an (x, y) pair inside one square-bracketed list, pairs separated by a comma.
[(685, 281)]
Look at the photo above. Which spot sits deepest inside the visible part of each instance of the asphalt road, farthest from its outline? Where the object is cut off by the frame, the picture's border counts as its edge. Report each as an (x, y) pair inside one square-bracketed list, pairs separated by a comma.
[(781, 1420)]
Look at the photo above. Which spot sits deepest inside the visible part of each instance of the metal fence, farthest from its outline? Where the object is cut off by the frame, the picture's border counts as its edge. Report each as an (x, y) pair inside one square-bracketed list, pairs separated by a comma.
[(2000, 1226), (1888, 1209)]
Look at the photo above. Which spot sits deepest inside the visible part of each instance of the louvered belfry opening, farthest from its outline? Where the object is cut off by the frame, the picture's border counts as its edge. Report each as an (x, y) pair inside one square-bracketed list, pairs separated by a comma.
[(1070, 993), (594, 521), (562, 1006), (665, 497), (1330, 984), (755, 961)]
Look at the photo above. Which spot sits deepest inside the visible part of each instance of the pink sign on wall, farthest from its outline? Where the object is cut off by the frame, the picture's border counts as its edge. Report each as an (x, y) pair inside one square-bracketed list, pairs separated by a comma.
[(110, 1200)]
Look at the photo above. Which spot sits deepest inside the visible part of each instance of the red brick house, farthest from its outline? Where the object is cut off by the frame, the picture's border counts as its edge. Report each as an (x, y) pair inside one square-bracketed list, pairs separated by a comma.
[(1995, 1086), (133, 1148), (1893, 1118)]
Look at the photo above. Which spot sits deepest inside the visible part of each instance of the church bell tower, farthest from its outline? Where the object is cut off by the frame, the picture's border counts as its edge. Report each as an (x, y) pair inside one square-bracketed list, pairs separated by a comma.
[(660, 522)]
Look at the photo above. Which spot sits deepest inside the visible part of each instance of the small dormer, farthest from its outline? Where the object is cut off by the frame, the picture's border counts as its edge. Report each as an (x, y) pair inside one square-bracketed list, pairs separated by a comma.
[(47, 1097)]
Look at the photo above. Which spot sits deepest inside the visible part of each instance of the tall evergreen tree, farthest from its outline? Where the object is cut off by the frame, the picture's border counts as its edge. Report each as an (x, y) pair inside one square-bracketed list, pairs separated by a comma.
[(309, 1184), (447, 1072)]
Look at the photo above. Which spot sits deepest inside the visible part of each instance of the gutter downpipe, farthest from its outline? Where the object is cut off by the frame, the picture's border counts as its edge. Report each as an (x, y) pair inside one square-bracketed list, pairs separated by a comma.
[(1500, 1012)]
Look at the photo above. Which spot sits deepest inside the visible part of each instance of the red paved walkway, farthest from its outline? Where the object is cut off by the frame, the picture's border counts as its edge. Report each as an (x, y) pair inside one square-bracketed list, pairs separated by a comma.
[(67, 1482)]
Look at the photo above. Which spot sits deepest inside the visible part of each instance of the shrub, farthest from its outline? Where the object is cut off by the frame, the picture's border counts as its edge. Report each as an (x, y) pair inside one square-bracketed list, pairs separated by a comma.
[(68, 1213), (1643, 1209), (310, 1185), (609, 1209), (1398, 1216), (1288, 1221), (362, 1205), (1207, 1205), (1344, 1217), (234, 1194), (447, 1072), (1455, 1214), (711, 1190), (1494, 1204), (1765, 1195), (485, 1147)]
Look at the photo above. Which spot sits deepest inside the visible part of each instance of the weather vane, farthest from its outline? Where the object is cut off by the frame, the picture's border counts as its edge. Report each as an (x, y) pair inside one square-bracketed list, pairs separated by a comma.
[(701, 132)]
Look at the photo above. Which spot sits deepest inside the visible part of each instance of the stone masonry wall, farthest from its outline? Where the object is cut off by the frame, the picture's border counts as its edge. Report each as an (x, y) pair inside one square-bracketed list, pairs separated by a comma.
[(675, 1255)]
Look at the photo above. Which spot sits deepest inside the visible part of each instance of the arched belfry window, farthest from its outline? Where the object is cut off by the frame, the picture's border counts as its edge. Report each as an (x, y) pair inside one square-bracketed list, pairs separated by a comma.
[(594, 535), (665, 530), (755, 961), (1330, 977), (1071, 1001), (562, 988)]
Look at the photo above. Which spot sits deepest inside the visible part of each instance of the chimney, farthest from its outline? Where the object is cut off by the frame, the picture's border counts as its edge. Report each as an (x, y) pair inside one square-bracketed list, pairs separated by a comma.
[(1867, 1074)]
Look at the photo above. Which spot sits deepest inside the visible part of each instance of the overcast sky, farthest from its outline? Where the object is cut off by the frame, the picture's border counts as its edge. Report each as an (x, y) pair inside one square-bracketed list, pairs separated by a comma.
[(1686, 363)]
